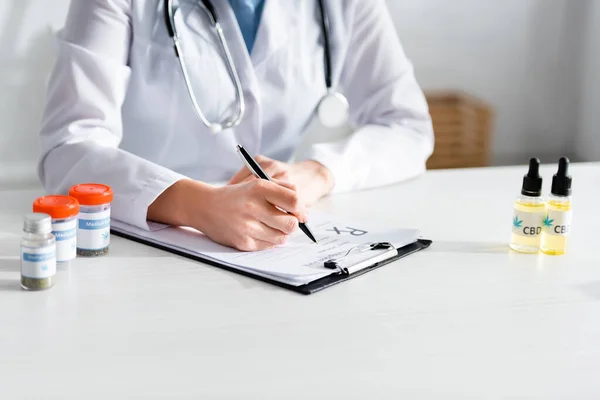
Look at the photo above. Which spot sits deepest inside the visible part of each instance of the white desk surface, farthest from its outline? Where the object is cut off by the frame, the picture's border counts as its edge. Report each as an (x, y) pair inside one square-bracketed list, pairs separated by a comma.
[(466, 319)]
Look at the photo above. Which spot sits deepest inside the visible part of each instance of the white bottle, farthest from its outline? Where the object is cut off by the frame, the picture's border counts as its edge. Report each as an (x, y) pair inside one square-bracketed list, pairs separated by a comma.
[(38, 253)]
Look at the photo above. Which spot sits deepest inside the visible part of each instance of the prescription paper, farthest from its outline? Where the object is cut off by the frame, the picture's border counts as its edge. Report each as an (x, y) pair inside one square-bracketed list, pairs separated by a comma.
[(297, 262)]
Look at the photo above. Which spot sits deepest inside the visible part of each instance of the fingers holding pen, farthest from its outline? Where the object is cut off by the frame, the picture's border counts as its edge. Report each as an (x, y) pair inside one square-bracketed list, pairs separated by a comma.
[(282, 196)]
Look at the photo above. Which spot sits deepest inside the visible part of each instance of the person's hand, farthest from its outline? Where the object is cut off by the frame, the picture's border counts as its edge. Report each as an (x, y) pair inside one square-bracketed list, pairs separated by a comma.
[(311, 179), (243, 216)]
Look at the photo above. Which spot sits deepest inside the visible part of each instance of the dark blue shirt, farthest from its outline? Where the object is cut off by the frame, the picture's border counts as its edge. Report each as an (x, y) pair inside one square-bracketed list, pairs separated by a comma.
[(248, 13)]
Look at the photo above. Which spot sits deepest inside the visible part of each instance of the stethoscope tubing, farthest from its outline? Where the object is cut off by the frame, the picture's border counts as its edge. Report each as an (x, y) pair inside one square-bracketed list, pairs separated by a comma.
[(208, 7), (172, 28)]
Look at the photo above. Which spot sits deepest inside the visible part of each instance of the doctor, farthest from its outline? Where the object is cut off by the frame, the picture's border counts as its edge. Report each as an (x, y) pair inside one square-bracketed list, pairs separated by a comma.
[(124, 108)]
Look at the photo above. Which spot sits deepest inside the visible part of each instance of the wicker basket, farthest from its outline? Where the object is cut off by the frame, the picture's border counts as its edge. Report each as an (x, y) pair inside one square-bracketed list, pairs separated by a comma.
[(462, 126)]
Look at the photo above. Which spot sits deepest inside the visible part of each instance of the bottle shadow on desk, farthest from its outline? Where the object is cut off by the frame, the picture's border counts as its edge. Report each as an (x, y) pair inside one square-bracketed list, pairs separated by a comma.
[(9, 275), (469, 247)]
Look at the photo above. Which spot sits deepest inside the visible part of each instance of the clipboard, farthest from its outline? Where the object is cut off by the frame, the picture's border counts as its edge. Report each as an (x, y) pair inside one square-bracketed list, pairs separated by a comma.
[(312, 287)]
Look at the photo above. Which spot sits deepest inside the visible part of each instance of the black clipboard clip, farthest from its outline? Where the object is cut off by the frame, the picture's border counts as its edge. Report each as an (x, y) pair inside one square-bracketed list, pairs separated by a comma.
[(334, 263)]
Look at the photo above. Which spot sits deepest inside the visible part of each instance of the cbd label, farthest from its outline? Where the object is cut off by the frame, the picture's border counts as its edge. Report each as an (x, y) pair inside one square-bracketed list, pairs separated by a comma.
[(557, 223), (528, 224)]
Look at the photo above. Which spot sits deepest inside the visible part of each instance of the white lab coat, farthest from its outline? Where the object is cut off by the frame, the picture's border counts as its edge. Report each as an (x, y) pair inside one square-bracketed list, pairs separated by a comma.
[(118, 111)]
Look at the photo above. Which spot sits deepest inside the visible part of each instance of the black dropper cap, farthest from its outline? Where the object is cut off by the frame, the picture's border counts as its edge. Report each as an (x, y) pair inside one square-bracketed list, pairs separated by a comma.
[(561, 182), (532, 182)]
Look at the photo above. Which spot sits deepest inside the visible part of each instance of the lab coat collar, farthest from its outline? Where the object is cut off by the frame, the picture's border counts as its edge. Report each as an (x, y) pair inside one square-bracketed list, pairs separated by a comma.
[(273, 30)]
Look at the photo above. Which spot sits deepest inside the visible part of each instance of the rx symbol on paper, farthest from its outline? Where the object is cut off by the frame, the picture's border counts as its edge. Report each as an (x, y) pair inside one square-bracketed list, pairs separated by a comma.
[(350, 230)]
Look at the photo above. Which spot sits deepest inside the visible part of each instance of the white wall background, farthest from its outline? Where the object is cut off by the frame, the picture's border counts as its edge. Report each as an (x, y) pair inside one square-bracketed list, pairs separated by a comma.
[(534, 61), (588, 143), (26, 57), (521, 56)]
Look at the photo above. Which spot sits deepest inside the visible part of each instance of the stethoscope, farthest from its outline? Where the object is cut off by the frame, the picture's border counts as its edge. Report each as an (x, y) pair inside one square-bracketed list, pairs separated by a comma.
[(333, 109)]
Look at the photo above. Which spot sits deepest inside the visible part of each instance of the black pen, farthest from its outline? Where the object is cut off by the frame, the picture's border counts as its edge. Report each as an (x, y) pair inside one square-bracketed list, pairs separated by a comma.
[(260, 174)]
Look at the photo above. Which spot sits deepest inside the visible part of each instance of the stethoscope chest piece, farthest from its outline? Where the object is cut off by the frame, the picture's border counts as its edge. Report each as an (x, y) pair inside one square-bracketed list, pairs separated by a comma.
[(333, 110)]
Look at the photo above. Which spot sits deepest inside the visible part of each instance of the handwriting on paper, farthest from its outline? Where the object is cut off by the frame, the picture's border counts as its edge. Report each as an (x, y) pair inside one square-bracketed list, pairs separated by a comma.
[(349, 230)]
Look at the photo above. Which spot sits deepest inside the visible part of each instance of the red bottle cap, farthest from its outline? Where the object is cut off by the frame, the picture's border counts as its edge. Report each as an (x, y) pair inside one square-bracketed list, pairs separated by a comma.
[(57, 207), (92, 194)]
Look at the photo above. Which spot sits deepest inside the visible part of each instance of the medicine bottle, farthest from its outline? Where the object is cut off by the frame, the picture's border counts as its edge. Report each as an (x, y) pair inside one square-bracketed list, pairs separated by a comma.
[(557, 222), (38, 253), (93, 227), (529, 211), (63, 210)]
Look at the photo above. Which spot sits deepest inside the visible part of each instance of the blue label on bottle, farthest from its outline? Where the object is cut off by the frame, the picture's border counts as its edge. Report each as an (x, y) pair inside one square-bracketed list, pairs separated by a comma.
[(94, 224), (37, 257), (65, 235)]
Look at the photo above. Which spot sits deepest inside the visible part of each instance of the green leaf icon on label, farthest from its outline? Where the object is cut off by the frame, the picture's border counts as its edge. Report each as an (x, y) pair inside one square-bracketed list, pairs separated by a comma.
[(548, 222), (517, 223)]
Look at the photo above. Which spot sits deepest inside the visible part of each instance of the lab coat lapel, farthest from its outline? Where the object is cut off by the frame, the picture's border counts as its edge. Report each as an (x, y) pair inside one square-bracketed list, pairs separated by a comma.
[(192, 16), (273, 30), (248, 133)]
